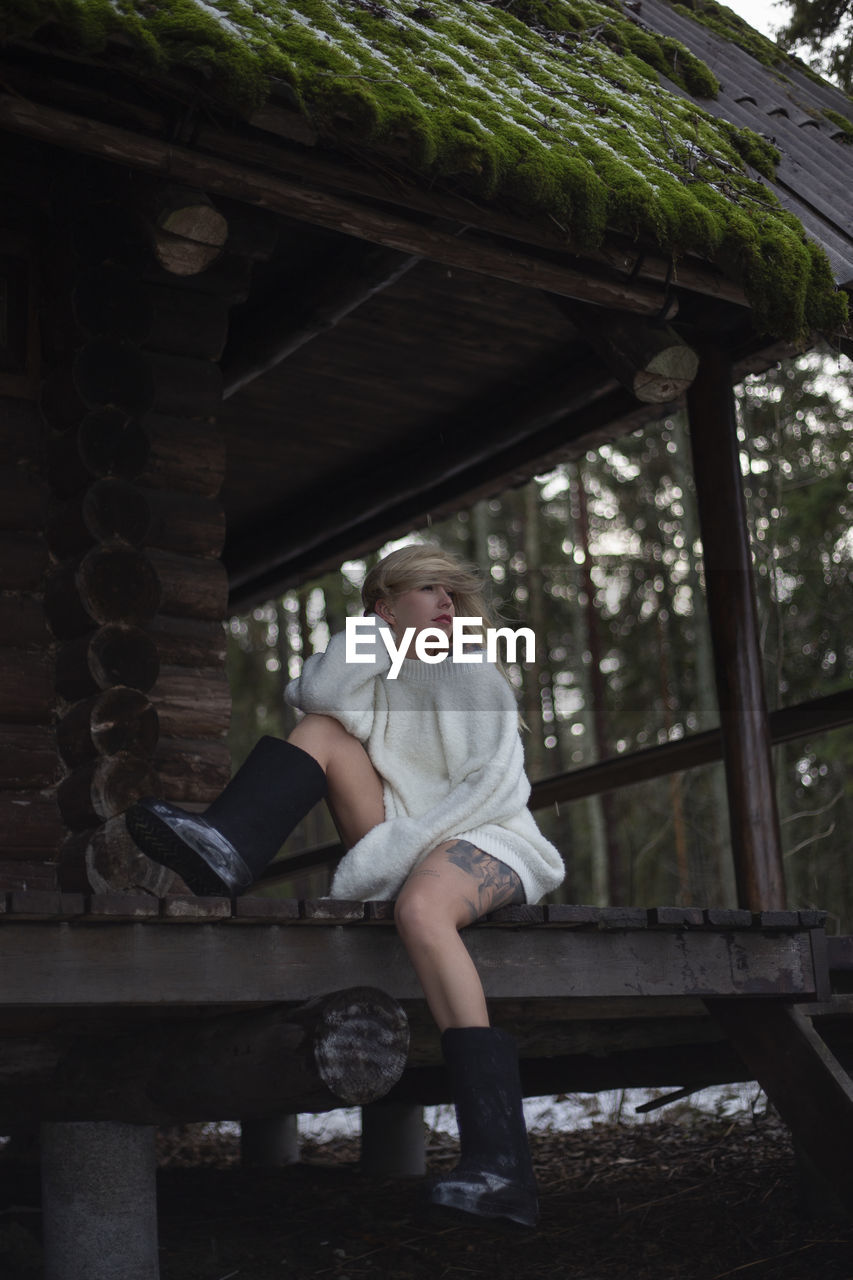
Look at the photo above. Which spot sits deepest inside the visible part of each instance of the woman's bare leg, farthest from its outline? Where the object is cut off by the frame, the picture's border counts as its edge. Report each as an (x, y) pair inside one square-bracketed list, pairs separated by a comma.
[(452, 887), (354, 797)]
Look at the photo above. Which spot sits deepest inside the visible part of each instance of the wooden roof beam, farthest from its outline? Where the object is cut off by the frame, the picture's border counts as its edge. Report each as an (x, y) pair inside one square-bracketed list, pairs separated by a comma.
[(320, 169), (460, 461), (649, 359), (341, 214), (280, 326)]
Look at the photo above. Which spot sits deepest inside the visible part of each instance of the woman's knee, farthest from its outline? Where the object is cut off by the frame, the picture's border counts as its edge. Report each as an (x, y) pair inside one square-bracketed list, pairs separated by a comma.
[(419, 915), (411, 912), (321, 736), (429, 908)]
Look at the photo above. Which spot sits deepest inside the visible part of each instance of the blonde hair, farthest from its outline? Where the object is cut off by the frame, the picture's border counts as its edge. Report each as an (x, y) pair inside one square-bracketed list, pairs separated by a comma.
[(425, 564), (421, 565)]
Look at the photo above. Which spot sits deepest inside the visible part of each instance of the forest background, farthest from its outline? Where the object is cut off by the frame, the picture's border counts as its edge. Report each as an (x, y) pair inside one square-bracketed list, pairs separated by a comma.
[(602, 557)]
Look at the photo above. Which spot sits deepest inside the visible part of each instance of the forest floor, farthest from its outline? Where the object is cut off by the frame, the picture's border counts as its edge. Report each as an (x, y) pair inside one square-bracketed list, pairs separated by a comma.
[(690, 1196)]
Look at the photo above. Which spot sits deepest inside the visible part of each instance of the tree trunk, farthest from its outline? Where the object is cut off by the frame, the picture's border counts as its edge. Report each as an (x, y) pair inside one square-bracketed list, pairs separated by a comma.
[(186, 454), (24, 561), (23, 499), (187, 324), (106, 860), (188, 232), (31, 824), (649, 359), (189, 642), (718, 878), (110, 301), (535, 619), (22, 623), (616, 872)]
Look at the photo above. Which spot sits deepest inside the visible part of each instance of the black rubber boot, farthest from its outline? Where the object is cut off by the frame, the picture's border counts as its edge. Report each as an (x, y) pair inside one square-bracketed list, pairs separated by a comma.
[(494, 1177), (225, 849)]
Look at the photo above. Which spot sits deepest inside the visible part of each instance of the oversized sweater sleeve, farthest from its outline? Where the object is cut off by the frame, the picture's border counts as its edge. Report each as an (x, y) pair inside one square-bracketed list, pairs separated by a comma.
[(491, 787), (331, 686)]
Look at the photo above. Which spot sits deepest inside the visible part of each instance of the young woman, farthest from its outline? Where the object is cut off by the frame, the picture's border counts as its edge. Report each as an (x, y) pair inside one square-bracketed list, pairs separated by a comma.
[(423, 768)]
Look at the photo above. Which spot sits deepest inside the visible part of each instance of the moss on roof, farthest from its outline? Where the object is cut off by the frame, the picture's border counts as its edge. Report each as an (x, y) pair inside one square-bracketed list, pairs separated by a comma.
[(731, 26), (553, 108), (841, 122)]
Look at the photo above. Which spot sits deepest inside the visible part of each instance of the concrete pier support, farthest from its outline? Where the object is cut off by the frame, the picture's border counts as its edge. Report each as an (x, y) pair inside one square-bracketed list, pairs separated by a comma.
[(99, 1201), (392, 1140), (269, 1143)]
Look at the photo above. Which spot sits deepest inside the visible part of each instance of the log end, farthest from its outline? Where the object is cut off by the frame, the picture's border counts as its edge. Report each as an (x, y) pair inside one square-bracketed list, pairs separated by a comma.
[(361, 1044)]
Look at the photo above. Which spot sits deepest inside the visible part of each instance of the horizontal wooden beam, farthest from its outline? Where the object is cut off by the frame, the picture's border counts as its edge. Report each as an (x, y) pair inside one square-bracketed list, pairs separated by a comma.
[(346, 1048), (173, 964), (479, 454), (319, 168), (250, 144), (818, 715), (650, 360), (345, 215)]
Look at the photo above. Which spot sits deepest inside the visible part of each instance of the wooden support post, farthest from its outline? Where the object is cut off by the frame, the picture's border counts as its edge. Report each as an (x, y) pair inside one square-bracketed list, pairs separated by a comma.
[(802, 1078), (756, 844), (392, 1140), (269, 1142), (99, 1201)]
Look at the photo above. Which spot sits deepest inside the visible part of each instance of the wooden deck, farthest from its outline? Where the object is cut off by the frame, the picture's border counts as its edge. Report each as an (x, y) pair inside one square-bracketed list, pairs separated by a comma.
[(63, 951), (598, 998)]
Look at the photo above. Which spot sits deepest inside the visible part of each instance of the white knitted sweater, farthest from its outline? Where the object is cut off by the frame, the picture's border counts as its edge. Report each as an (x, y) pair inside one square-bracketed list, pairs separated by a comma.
[(444, 739)]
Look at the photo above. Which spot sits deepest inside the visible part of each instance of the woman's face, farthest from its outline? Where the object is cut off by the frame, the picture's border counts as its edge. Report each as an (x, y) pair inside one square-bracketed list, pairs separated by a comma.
[(430, 606)]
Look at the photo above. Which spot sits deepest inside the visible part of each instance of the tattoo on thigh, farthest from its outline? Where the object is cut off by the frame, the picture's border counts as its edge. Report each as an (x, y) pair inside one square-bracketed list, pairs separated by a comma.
[(497, 885), (426, 871)]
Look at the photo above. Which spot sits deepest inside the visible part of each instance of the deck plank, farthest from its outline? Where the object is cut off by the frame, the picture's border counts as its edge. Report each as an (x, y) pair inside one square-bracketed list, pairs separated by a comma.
[(180, 962)]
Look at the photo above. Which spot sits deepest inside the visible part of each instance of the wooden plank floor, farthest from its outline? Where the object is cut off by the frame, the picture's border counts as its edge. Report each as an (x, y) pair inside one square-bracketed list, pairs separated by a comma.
[(71, 950)]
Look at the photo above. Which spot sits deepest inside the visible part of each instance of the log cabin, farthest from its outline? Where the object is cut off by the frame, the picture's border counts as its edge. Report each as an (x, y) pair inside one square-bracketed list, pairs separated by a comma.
[(278, 283)]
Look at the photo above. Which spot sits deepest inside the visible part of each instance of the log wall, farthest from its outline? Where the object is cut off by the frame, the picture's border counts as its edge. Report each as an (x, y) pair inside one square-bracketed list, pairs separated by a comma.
[(31, 826), (113, 601)]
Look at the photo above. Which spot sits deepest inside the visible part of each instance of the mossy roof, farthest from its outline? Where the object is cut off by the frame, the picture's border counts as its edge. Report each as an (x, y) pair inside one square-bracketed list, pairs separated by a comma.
[(552, 108)]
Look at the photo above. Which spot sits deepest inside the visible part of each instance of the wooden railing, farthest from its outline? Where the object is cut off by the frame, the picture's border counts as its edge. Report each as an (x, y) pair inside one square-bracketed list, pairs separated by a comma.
[(818, 715)]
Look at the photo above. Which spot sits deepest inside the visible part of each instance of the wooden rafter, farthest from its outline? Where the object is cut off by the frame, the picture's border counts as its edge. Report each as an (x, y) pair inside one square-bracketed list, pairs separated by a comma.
[(276, 329)]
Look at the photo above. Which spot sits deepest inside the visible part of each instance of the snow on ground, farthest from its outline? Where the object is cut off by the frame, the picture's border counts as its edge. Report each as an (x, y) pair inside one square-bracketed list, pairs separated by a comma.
[(575, 1111), (554, 1114)]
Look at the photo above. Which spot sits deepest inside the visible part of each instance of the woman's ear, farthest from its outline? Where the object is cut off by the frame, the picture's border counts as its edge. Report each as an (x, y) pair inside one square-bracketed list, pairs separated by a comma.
[(384, 610)]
